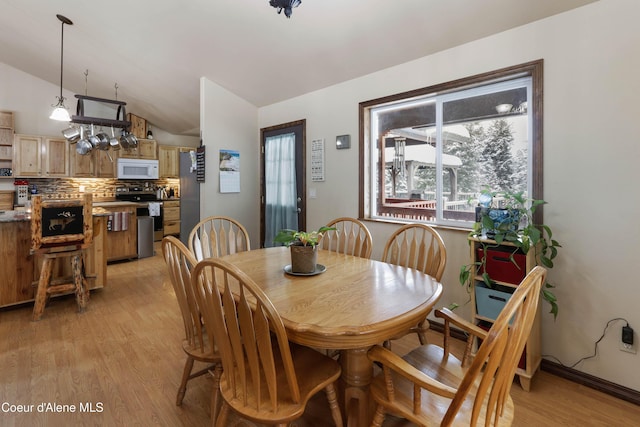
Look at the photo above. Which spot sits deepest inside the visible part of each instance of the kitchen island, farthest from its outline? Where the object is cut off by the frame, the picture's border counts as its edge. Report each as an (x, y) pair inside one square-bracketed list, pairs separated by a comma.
[(20, 269)]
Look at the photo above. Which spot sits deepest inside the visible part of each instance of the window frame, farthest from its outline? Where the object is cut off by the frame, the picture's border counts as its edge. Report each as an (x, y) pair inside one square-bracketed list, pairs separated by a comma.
[(533, 69)]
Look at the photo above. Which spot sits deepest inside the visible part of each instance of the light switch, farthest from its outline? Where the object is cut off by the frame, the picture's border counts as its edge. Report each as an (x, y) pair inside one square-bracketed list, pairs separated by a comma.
[(312, 193)]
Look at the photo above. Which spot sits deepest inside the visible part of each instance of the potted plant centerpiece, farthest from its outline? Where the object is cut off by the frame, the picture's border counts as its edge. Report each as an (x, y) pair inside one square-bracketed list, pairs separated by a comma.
[(304, 248), (506, 217)]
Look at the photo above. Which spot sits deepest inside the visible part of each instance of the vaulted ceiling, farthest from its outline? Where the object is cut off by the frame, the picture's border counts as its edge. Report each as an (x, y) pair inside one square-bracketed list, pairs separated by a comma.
[(157, 50)]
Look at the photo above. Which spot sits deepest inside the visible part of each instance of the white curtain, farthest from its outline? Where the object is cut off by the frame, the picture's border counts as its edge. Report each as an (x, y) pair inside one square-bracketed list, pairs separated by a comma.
[(280, 185)]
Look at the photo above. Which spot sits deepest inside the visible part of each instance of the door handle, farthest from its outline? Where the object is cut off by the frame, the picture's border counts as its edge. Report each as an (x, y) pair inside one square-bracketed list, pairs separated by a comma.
[(299, 210)]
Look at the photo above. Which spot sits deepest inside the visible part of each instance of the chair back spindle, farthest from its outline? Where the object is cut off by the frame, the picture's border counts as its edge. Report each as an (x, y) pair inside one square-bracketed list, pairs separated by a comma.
[(350, 237), (417, 246), (217, 236)]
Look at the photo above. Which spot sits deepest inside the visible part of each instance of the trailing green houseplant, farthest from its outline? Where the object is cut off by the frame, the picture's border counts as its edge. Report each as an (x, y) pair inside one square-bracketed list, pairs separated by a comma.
[(520, 230)]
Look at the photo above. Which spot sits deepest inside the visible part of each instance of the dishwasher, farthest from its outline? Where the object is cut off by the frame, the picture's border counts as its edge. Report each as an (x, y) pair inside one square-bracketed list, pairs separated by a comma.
[(145, 233)]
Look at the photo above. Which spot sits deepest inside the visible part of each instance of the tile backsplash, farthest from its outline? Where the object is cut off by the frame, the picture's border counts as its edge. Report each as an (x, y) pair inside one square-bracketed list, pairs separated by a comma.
[(102, 189)]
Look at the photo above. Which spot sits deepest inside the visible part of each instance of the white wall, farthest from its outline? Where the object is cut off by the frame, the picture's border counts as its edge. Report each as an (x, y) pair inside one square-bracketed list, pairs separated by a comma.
[(591, 150), (230, 123)]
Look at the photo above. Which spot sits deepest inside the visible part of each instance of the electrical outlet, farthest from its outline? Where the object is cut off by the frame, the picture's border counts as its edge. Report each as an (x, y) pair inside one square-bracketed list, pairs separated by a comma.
[(627, 341)]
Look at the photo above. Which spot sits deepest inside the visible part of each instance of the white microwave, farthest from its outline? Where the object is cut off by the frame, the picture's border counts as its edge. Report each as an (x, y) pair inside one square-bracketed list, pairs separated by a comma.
[(137, 169)]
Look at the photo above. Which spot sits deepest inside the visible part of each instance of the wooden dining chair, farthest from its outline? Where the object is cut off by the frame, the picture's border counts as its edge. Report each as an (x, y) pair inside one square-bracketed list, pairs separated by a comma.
[(420, 247), (350, 237), (429, 386), (197, 345), (217, 236), (265, 379)]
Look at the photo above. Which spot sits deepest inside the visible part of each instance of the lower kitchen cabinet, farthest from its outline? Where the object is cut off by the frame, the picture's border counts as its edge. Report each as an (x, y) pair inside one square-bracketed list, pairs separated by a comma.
[(171, 221), (122, 232)]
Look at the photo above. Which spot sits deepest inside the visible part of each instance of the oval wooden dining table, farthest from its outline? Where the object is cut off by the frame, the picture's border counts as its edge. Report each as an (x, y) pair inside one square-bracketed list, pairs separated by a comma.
[(354, 304)]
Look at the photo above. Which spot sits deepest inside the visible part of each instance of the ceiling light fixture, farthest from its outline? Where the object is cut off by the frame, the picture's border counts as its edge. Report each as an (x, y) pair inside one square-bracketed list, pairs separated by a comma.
[(60, 112), (287, 5)]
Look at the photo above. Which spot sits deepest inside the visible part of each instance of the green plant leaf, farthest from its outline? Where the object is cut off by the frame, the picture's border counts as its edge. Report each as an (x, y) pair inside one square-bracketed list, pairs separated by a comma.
[(546, 262), (465, 272), (487, 222), (487, 280), (534, 235), (549, 296)]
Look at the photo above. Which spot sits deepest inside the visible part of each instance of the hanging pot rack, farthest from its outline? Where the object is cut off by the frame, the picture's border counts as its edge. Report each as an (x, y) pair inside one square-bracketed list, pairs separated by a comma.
[(121, 113)]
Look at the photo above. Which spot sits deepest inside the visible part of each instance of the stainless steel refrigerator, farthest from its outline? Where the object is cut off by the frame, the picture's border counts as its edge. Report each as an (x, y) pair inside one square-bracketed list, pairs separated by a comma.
[(189, 198)]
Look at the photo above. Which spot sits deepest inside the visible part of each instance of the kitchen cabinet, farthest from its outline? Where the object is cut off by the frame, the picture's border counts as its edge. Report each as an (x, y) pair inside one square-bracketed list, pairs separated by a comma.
[(146, 149), (97, 164), (138, 126), (17, 282), (171, 217), (38, 156), (122, 237), (6, 144), (106, 163), (81, 166), (169, 160), (506, 267), (6, 120)]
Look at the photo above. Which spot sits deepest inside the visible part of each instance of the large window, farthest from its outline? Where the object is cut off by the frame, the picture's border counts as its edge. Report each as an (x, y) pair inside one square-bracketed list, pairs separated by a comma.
[(427, 154)]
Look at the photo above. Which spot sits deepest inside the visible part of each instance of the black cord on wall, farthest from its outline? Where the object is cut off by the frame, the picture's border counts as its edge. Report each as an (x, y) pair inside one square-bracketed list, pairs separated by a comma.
[(595, 347)]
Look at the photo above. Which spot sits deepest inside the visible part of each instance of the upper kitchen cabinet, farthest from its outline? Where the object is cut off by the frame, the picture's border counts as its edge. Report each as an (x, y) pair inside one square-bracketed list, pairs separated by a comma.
[(106, 163), (138, 126), (97, 164), (169, 160), (37, 156), (146, 149), (6, 144)]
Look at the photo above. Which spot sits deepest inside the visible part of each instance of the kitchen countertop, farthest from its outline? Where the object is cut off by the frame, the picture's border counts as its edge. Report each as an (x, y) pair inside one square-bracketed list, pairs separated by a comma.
[(117, 204), (14, 216), (23, 215), (19, 216)]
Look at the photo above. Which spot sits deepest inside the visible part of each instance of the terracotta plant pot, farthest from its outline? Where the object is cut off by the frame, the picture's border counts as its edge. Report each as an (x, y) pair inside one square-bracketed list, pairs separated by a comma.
[(303, 258)]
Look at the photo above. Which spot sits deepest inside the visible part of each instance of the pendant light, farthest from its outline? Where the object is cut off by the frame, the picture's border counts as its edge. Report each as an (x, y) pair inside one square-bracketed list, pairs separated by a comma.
[(60, 112)]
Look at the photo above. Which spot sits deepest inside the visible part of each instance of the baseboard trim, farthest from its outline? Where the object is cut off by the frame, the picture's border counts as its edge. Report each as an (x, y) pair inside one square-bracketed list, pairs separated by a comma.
[(587, 380)]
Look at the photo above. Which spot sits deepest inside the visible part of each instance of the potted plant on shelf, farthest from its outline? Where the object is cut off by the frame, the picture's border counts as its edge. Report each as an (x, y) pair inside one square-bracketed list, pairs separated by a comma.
[(515, 226), (304, 247)]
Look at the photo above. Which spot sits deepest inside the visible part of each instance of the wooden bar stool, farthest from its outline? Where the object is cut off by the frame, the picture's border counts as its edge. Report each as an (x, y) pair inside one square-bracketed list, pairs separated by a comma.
[(61, 229)]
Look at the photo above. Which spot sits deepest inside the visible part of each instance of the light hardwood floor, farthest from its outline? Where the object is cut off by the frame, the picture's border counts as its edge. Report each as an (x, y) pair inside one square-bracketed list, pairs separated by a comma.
[(123, 357)]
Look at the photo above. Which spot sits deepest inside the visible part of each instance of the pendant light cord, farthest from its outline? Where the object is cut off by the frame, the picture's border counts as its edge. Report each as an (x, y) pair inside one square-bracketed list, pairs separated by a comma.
[(67, 21), (61, 57)]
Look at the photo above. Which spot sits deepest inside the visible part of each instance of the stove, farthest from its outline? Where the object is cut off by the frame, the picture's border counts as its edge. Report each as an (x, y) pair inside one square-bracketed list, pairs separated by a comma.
[(144, 194), (136, 194)]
